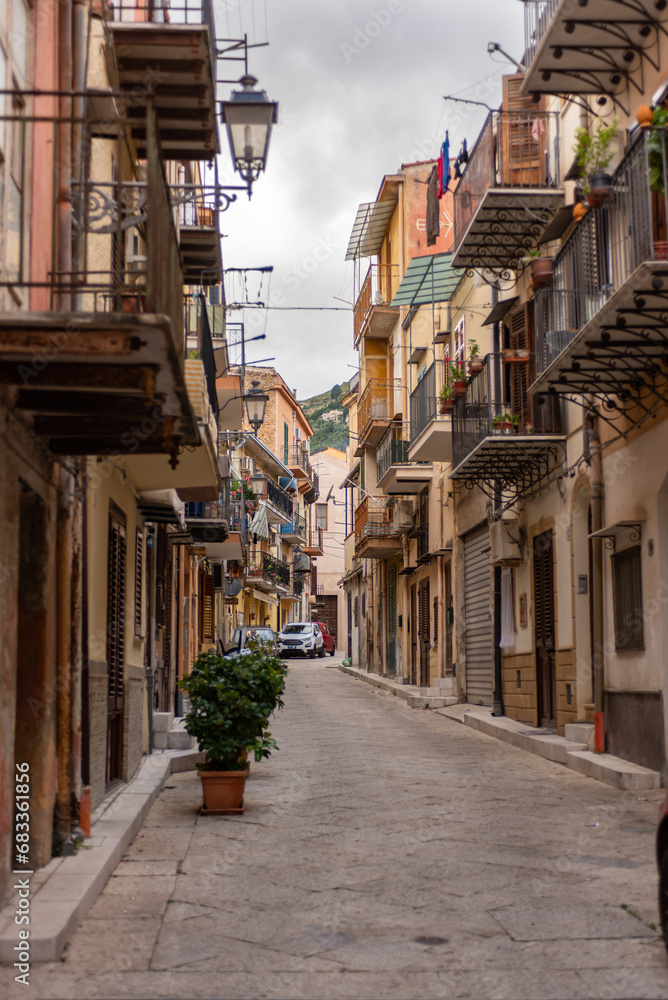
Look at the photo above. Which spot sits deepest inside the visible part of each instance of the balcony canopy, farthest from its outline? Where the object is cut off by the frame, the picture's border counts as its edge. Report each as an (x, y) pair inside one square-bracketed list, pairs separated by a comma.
[(369, 229), (513, 464), (428, 279), (595, 47)]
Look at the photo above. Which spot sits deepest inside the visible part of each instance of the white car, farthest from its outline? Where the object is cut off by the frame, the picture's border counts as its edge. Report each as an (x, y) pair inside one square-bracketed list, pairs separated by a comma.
[(300, 639)]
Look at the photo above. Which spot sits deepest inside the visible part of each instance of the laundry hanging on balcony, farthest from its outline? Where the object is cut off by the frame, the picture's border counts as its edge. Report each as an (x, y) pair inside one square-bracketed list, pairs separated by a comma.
[(259, 527), (443, 168), (433, 225)]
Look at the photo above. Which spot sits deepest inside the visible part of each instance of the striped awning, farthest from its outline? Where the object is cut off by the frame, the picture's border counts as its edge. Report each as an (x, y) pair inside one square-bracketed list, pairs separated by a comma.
[(259, 525), (428, 279)]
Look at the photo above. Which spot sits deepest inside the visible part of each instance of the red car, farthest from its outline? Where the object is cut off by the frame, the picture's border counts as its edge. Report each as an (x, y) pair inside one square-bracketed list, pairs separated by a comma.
[(330, 645)]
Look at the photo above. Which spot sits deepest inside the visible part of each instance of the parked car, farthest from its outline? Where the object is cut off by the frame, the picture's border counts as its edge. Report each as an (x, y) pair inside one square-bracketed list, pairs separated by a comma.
[(300, 639), (242, 635), (328, 638), (662, 862)]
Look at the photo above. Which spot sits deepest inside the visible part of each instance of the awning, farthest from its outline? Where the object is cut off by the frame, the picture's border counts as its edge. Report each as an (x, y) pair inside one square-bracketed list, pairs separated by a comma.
[(369, 228), (259, 525), (500, 310), (259, 595), (560, 223), (428, 279), (158, 513)]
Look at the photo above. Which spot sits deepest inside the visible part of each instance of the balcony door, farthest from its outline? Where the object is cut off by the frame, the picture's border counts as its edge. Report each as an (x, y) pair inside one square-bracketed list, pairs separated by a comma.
[(424, 631), (392, 620), (543, 596), (413, 628)]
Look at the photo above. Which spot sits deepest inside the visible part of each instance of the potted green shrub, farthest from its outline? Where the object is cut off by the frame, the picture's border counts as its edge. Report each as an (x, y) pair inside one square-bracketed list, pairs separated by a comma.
[(476, 364), (457, 380), (507, 423), (594, 152), (231, 701), (447, 399), (541, 268)]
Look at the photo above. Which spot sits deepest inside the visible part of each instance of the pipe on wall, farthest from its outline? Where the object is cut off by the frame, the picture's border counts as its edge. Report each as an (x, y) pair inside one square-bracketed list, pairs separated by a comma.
[(598, 666)]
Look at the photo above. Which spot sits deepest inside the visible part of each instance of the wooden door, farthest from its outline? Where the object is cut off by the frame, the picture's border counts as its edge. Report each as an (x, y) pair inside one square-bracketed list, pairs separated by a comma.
[(413, 630), (392, 620), (543, 576), (523, 137), (349, 626), (424, 631)]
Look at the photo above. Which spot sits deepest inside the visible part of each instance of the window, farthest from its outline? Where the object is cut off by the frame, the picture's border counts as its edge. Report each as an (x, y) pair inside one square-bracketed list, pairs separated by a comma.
[(356, 607), (286, 443), (459, 342), (627, 599), (321, 516)]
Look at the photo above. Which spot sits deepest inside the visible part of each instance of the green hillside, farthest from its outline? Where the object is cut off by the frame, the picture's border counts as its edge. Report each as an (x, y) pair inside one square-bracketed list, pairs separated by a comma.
[(327, 433)]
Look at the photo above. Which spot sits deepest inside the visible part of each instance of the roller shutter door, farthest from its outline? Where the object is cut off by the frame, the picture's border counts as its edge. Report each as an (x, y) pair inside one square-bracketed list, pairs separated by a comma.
[(478, 629)]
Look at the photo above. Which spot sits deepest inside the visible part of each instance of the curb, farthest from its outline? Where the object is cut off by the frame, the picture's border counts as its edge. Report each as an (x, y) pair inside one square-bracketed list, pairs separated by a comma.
[(68, 887)]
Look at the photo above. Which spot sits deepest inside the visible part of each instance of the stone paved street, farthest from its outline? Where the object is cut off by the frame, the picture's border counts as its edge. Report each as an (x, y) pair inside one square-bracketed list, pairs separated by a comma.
[(383, 853)]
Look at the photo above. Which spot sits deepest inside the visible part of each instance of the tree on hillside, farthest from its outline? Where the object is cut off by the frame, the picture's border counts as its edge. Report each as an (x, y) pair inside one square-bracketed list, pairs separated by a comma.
[(336, 391)]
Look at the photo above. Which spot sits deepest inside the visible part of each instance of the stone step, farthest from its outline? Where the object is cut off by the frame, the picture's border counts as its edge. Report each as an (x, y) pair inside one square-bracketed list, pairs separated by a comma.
[(162, 722), (580, 732), (614, 771)]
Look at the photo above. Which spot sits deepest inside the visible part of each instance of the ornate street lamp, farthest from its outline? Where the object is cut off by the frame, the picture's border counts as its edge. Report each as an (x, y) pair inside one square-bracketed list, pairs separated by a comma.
[(257, 484), (248, 117), (256, 404)]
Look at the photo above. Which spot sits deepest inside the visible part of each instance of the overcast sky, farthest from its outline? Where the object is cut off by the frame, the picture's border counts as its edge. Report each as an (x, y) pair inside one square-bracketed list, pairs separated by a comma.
[(360, 87)]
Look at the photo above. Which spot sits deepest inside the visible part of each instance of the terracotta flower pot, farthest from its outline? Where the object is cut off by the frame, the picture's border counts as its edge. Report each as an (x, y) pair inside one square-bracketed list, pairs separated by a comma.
[(223, 791), (541, 271), (600, 187), (459, 387), (446, 405), (475, 367)]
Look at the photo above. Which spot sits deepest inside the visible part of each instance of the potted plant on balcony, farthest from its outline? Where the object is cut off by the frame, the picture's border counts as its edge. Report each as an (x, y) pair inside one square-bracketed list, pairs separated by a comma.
[(231, 701), (447, 399), (457, 380), (541, 268), (496, 423), (516, 355), (476, 364), (594, 152), (507, 423)]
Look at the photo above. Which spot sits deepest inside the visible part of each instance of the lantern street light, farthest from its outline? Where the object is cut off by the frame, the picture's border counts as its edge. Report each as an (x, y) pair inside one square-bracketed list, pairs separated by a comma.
[(256, 404), (248, 117), (257, 484)]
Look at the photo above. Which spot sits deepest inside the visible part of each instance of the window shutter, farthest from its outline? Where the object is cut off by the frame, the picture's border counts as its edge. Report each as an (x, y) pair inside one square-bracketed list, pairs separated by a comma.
[(356, 612), (208, 634), (139, 582), (116, 613), (627, 596), (436, 621), (518, 338)]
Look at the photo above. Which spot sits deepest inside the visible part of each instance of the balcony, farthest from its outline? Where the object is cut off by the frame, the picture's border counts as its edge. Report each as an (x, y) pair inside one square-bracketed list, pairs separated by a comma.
[(278, 503), (375, 534), (206, 523), (275, 571), (295, 531), (372, 315), (600, 325), (508, 194), (598, 47), (314, 545), (114, 384), (511, 462), (174, 61), (430, 430), (397, 475), (297, 461), (198, 207), (297, 584), (375, 410)]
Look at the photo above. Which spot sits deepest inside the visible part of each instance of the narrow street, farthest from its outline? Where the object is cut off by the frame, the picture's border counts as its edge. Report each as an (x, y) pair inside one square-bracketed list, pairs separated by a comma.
[(385, 853)]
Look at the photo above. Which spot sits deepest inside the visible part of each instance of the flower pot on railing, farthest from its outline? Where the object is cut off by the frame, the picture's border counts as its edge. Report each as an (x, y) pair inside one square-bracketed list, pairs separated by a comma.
[(600, 187), (517, 355), (541, 271), (459, 386), (446, 405)]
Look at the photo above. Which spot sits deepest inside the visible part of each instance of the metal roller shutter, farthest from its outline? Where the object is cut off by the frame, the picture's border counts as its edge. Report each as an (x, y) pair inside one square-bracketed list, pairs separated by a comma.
[(478, 631)]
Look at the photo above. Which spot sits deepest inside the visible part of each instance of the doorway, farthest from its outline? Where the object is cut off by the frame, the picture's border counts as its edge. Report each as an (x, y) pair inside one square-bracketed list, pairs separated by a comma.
[(412, 628), (543, 596), (116, 569)]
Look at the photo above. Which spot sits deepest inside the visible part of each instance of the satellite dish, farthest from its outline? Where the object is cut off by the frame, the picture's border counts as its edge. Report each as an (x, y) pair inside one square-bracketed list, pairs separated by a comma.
[(329, 495), (232, 586)]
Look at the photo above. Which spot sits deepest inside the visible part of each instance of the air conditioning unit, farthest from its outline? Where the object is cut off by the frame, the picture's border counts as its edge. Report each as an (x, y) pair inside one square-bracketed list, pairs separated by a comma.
[(505, 544), (402, 515)]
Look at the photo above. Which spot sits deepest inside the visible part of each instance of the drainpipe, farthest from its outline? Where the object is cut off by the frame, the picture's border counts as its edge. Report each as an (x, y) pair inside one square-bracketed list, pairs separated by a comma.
[(64, 152), (84, 819), (150, 645), (497, 704), (64, 550), (597, 579), (78, 107)]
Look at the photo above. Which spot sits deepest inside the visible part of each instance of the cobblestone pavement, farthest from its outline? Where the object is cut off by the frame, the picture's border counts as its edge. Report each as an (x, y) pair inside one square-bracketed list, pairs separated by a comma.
[(383, 853)]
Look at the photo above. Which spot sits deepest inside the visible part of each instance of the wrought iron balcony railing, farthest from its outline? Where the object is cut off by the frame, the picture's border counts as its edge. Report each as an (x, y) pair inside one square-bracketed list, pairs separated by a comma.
[(210, 510), (425, 397), (162, 11), (275, 570), (515, 149), (538, 15), (315, 538), (297, 458), (391, 451), (372, 521), (376, 403), (297, 526), (607, 247), (278, 497), (297, 584), (378, 288)]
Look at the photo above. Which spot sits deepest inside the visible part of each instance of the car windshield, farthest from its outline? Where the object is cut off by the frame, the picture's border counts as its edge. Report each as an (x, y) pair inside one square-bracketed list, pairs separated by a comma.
[(297, 627)]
